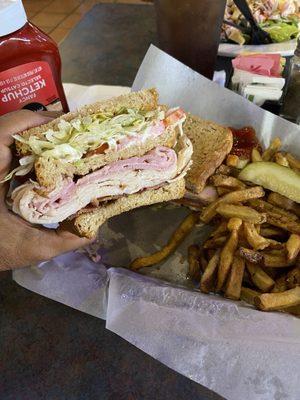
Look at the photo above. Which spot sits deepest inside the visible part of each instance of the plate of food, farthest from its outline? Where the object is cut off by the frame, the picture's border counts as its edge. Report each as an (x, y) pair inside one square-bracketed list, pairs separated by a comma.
[(280, 18)]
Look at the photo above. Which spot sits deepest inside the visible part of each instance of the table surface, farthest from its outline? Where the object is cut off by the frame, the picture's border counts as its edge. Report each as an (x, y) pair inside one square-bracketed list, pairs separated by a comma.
[(109, 44), (50, 351)]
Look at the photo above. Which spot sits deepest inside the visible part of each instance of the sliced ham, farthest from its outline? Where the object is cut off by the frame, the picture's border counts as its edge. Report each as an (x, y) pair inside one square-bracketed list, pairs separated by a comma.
[(208, 195), (122, 177)]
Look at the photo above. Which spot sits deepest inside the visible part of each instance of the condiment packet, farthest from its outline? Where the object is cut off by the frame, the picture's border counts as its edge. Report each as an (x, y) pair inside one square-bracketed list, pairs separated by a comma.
[(257, 77), (259, 64)]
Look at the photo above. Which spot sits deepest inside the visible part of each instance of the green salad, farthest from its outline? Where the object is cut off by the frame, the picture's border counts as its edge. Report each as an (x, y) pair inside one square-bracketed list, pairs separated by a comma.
[(280, 18)]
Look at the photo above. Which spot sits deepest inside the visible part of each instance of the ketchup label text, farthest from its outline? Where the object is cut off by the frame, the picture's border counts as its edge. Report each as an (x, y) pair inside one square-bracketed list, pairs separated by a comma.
[(29, 86)]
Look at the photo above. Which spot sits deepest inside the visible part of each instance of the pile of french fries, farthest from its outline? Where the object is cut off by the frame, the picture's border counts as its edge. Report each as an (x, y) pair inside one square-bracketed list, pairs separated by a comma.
[(253, 253)]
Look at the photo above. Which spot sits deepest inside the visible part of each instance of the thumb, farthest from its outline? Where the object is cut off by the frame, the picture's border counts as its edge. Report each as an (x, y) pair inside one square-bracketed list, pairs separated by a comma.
[(9, 125), (19, 121), (49, 244), (5, 162), (71, 240)]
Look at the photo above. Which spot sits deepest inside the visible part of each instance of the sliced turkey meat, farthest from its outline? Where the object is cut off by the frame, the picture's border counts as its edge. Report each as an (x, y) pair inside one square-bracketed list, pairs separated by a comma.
[(123, 177)]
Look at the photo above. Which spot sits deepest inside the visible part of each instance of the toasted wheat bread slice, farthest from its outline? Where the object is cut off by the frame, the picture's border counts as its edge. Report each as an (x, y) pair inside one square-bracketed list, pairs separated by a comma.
[(211, 143), (145, 100), (87, 224)]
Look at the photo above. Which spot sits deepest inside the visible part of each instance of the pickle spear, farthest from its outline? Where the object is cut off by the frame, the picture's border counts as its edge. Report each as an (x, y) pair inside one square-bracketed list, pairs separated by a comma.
[(274, 177)]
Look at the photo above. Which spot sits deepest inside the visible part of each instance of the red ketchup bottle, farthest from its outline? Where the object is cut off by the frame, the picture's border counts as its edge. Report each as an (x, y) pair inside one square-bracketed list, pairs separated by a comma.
[(30, 65)]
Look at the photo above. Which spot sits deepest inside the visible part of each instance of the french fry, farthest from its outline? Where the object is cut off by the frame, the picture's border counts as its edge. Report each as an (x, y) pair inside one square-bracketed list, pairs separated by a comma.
[(190, 203), (276, 260), (210, 253), (247, 279), (293, 247), (269, 232), (209, 275), (215, 242), (273, 218), (259, 277), (255, 155), (225, 170), (281, 160), (176, 239), (284, 223), (293, 277), (264, 206), (293, 310), (255, 240), (278, 301), (278, 200), (202, 260), (274, 273), (234, 224), (235, 279), (271, 150), (220, 230), (221, 191), (243, 212), (294, 163), (194, 271), (227, 253), (258, 228), (238, 196), (275, 245), (210, 211), (242, 239), (280, 285), (227, 182), (252, 256), (248, 295), (275, 252), (197, 262), (232, 160)]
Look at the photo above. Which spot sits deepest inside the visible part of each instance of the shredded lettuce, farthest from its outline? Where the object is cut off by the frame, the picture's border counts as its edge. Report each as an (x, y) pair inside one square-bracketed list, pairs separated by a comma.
[(279, 17), (75, 138), (26, 165), (281, 31)]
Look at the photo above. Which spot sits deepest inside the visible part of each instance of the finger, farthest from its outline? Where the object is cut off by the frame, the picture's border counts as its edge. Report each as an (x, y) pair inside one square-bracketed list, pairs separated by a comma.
[(69, 241), (10, 124), (54, 243), (52, 114), (26, 245), (19, 121), (5, 160)]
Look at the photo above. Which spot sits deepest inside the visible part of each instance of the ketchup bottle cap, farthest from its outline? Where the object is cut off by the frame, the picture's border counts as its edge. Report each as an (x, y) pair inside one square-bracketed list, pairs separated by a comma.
[(12, 16)]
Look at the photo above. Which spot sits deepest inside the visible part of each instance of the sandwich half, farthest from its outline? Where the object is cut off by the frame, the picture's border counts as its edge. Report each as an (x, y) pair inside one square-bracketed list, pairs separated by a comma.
[(107, 158)]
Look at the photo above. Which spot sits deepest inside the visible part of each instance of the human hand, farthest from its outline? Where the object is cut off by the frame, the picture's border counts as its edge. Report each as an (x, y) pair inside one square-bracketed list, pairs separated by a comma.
[(21, 243)]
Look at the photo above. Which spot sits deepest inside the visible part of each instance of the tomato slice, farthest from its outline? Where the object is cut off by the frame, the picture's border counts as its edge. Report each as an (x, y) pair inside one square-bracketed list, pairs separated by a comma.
[(174, 117), (100, 150)]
